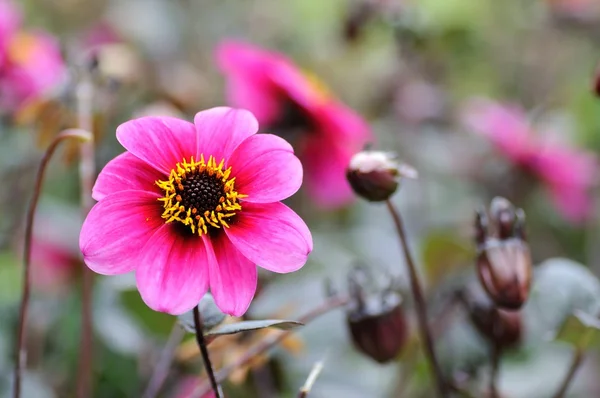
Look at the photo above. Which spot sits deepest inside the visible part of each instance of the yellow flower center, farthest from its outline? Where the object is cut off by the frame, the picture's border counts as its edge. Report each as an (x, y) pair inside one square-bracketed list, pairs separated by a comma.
[(200, 194), (319, 89)]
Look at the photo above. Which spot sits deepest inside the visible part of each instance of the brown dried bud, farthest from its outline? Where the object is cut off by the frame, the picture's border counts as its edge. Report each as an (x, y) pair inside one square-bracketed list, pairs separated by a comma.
[(501, 327), (503, 259), (375, 175), (381, 334), (376, 321)]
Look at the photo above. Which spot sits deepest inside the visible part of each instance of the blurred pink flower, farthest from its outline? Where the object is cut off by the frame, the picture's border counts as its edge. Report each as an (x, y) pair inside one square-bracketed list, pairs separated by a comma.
[(288, 101), (190, 207), (30, 62), (53, 264), (568, 173), (579, 9), (187, 387), (54, 251)]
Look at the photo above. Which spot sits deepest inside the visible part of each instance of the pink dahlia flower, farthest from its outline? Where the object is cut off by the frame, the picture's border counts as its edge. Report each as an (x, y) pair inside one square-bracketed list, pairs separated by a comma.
[(297, 107), (30, 62), (567, 173), (190, 207)]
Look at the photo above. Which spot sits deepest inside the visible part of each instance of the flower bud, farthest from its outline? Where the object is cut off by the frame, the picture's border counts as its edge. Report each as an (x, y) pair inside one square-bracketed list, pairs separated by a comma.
[(503, 258), (375, 175), (501, 327), (377, 323)]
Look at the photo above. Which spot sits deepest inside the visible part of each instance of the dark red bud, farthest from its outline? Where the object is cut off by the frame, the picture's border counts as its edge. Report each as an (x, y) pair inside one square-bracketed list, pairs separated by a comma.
[(381, 336), (504, 269), (501, 327), (374, 175)]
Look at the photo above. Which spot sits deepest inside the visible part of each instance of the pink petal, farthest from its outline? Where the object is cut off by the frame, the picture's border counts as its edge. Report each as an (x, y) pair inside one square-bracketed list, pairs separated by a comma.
[(325, 166), (221, 130), (272, 236), (266, 169), (126, 173), (506, 126), (248, 84), (172, 275), (340, 133), (117, 228), (575, 204), (159, 141), (233, 277)]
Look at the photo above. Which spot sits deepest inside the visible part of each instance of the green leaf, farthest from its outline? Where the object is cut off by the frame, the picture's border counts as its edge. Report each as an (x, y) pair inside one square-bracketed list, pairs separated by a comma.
[(211, 315), (580, 330), (443, 252), (246, 326), (561, 288)]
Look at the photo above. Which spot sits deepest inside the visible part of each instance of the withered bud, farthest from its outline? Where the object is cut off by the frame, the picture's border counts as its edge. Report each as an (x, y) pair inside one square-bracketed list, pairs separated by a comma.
[(376, 319), (500, 327), (375, 175), (503, 258), (380, 331)]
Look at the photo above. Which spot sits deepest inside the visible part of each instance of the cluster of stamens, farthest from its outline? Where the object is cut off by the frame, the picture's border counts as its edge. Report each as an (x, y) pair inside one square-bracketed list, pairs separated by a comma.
[(200, 194)]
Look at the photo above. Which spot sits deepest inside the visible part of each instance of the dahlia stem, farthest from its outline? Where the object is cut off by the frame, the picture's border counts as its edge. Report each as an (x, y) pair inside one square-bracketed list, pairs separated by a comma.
[(199, 326), (420, 305), (496, 356), (85, 96), (575, 364), (271, 341), (161, 370), (80, 135)]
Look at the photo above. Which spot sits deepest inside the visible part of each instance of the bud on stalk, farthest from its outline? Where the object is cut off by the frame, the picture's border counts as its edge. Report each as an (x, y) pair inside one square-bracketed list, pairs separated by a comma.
[(503, 258), (500, 327), (375, 175), (377, 322)]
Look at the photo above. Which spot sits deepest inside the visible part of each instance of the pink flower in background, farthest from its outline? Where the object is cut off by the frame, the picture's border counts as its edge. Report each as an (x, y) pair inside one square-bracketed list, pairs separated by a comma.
[(579, 9), (53, 264), (30, 62), (190, 207), (568, 173), (298, 107), (186, 388)]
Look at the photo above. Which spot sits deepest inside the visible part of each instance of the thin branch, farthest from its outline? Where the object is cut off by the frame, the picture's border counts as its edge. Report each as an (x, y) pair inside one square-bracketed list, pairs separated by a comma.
[(269, 342), (159, 375), (312, 377), (80, 135), (420, 305), (496, 356), (87, 169), (199, 326), (575, 364)]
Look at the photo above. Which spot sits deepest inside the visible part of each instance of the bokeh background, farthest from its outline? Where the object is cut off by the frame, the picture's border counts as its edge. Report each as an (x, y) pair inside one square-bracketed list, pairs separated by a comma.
[(412, 69)]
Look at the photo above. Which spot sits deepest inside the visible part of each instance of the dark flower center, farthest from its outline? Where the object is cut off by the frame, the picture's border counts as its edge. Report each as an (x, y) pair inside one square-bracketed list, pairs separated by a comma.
[(201, 191), (200, 194)]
